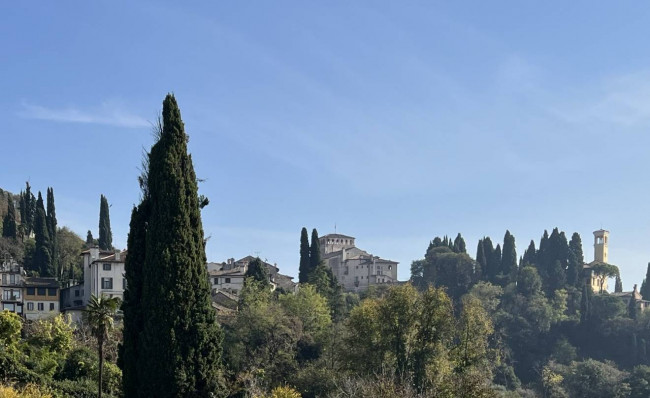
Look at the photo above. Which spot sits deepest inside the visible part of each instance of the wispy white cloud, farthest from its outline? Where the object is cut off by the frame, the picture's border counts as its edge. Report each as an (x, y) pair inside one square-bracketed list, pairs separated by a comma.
[(108, 113), (623, 100)]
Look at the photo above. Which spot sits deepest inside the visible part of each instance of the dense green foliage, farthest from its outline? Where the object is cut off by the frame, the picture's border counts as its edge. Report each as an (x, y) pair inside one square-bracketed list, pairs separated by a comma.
[(105, 235), (178, 351)]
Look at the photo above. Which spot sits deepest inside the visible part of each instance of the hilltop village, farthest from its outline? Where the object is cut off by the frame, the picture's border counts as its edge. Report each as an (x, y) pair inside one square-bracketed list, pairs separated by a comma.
[(82, 318)]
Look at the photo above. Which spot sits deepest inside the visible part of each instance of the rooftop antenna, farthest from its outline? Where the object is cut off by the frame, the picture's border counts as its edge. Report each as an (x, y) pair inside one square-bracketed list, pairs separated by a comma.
[(334, 227)]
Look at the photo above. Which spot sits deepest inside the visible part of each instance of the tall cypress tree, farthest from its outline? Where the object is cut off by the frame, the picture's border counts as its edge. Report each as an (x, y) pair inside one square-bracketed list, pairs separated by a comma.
[(576, 261), (27, 210), (105, 235), (509, 258), (42, 255), (179, 348), (9, 221), (129, 350), (314, 251), (618, 286), (481, 261), (258, 272), (585, 302), (488, 249), (303, 270), (494, 264), (645, 287), (51, 228)]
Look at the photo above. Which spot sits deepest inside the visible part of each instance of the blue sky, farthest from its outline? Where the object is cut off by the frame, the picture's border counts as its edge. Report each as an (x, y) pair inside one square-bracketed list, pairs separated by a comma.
[(396, 121)]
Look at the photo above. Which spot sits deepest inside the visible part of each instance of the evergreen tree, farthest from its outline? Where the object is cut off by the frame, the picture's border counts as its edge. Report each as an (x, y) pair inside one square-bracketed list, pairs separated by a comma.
[(488, 249), (529, 255), (494, 264), (314, 251), (618, 286), (631, 308), (645, 287), (585, 303), (42, 255), (481, 261), (179, 347), (105, 234), (129, 350), (305, 266), (51, 228), (541, 257), (9, 222), (576, 261), (89, 239), (459, 244), (258, 272), (509, 258), (27, 210)]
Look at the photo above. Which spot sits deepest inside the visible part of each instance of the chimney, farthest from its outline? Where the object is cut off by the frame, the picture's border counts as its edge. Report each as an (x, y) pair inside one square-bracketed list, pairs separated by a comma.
[(94, 253), (117, 255)]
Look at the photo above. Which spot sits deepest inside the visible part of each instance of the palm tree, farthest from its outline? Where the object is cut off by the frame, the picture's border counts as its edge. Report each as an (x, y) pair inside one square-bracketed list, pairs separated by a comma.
[(99, 316)]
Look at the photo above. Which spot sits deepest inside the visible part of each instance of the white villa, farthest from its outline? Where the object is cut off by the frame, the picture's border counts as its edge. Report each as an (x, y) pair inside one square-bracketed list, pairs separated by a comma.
[(355, 269)]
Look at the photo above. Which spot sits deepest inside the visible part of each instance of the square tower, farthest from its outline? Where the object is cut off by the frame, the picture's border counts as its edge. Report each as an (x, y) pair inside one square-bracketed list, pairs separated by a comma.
[(601, 238)]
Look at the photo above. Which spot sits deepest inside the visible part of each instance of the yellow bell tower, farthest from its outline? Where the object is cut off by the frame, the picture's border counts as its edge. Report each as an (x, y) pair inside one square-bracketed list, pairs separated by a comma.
[(601, 238)]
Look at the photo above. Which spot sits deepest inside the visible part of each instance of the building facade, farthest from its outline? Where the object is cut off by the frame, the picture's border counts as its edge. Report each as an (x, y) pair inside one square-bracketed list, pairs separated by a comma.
[(229, 276), (12, 277), (355, 269), (41, 298)]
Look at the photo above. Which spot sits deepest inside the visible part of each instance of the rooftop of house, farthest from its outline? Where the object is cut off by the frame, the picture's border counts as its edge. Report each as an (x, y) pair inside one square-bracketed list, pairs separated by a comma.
[(335, 236), (113, 257), (40, 282)]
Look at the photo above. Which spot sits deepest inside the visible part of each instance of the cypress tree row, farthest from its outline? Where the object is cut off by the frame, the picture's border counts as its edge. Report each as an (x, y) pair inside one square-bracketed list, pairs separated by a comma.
[(314, 251), (305, 265), (105, 235), (42, 255), (178, 350), (9, 221), (529, 255)]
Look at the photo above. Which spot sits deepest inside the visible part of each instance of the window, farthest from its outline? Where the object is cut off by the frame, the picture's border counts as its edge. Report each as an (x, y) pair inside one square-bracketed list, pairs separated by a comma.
[(76, 293), (4, 279), (31, 291), (107, 266), (51, 291), (12, 279), (9, 307), (216, 281), (107, 283), (123, 283), (30, 306), (41, 306), (41, 291), (227, 280), (51, 306)]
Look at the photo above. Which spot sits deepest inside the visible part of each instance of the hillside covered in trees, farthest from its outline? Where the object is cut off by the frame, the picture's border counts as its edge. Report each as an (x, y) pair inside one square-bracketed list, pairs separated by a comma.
[(496, 324)]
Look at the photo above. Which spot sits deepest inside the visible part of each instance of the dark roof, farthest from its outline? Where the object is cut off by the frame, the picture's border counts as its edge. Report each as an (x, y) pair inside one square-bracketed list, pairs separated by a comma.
[(100, 251), (41, 282)]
